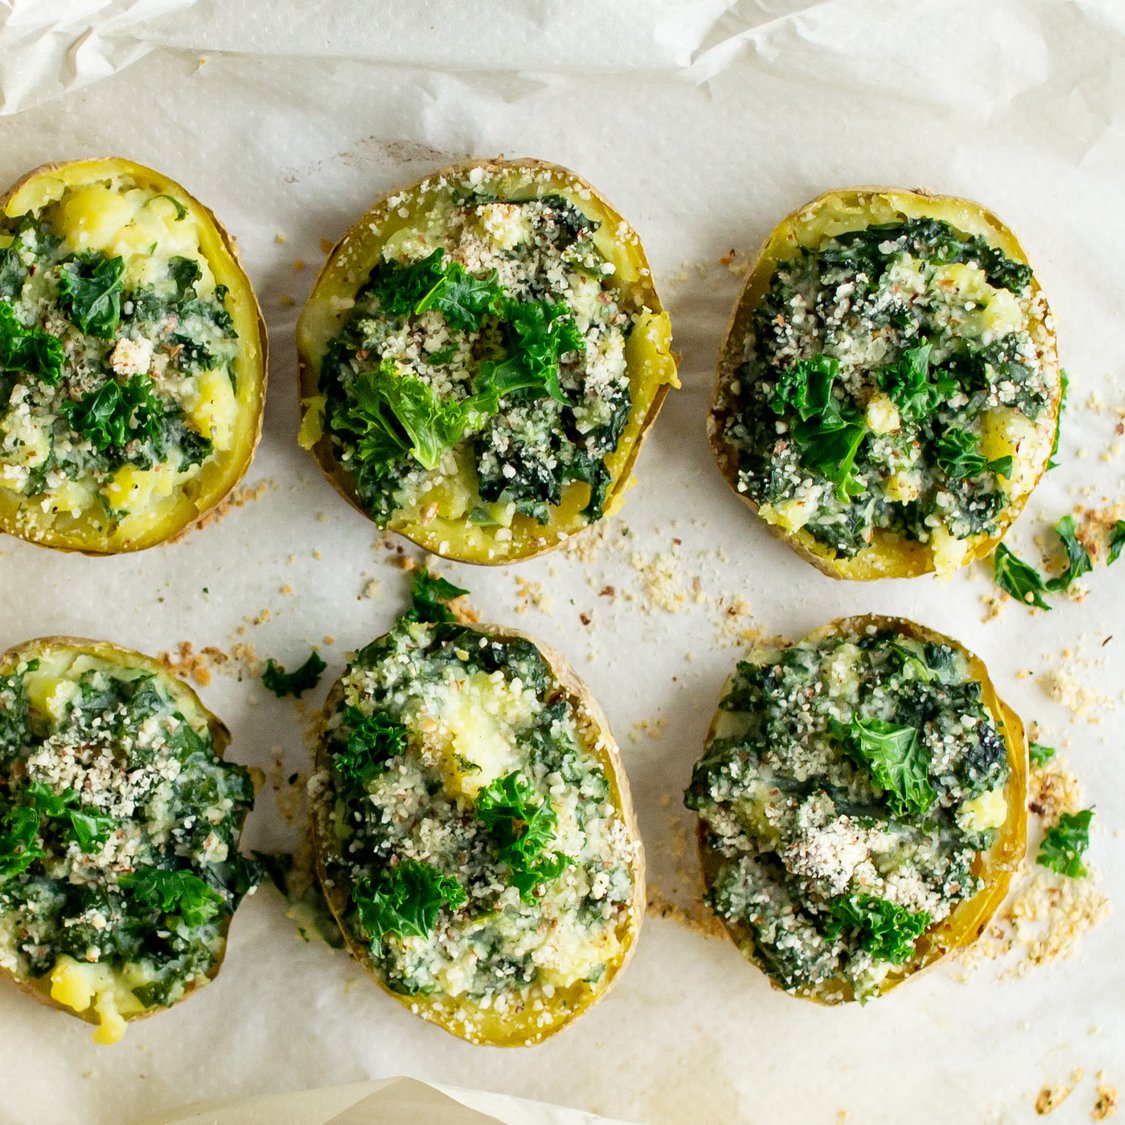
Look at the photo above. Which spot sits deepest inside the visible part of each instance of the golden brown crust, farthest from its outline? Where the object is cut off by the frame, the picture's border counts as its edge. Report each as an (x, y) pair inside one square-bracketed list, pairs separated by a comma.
[(652, 371), (126, 658), (251, 364), (523, 1030), (889, 556), (996, 867)]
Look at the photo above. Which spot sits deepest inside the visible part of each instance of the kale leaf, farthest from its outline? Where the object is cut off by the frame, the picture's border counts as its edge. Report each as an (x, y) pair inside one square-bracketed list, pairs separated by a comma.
[(958, 454), (405, 900), (29, 349), (1040, 754), (908, 384), (373, 741), (1064, 845), (18, 849), (894, 757), (90, 293), (1065, 385), (429, 594), (117, 413), (1078, 558), (297, 682), (174, 892), (885, 930), (521, 827), (1017, 578), (88, 827), (828, 431), (1116, 542)]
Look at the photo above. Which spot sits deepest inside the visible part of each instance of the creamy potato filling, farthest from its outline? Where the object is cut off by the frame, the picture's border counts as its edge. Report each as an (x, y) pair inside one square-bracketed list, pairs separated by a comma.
[(850, 788), (119, 863), (482, 367), (472, 823), (117, 355), (892, 379)]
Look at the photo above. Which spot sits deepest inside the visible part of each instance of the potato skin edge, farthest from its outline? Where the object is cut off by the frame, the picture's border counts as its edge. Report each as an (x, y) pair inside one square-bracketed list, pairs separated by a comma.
[(566, 183), (258, 368), (128, 658), (892, 556), (591, 719), (997, 867)]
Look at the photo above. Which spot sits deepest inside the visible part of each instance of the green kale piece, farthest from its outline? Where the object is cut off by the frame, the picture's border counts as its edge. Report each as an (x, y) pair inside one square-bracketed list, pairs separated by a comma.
[(90, 293), (1078, 558), (87, 826), (405, 900), (1017, 578), (894, 757), (828, 431), (958, 454), (462, 299), (174, 892), (521, 826), (29, 349), (908, 384), (19, 830), (885, 930), (1064, 845), (1116, 542), (373, 741), (429, 595), (1065, 384), (303, 679), (117, 413), (1040, 754)]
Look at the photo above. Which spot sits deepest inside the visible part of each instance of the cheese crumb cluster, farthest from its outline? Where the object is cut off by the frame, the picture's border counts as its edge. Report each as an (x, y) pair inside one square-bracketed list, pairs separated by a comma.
[(117, 355), (530, 909), (520, 290), (119, 863), (850, 789), (893, 379)]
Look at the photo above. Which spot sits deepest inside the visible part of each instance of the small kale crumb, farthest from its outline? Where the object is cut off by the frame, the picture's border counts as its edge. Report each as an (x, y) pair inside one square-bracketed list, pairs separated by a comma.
[(1065, 844), (283, 683), (1040, 754)]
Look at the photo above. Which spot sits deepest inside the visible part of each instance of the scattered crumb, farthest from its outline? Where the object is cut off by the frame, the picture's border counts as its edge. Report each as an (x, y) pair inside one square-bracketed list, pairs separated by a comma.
[(326, 245), (286, 301), (248, 658), (239, 497), (287, 589), (298, 264), (281, 239), (187, 663), (1108, 1101), (261, 619), (329, 639), (1052, 1096), (372, 588), (530, 595), (654, 728)]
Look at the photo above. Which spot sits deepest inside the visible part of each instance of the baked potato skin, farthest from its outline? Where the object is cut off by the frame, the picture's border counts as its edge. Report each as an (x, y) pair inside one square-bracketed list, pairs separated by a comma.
[(40, 988), (997, 867), (463, 1019), (44, 184), (651, 362), (889, 555)]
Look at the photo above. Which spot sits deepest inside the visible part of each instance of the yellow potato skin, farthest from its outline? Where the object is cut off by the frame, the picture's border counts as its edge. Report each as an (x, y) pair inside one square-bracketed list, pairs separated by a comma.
[(200, 494), (650, 360), (40, 988), (461, 1017), (996, 867), (835, 212)]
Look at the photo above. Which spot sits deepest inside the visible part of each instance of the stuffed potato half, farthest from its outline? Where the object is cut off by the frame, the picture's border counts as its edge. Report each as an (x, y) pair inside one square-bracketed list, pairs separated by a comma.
[(132, 358), (889, 388), (863, 806), (474, 832), (119, 830), (481, 357)]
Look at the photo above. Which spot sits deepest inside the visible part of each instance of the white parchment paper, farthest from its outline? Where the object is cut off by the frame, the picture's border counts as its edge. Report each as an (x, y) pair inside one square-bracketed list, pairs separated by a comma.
[(705, 123)]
